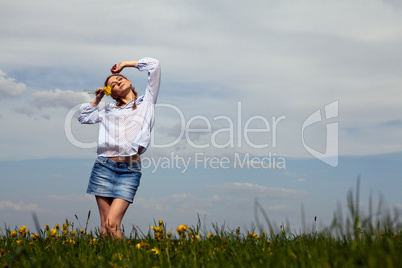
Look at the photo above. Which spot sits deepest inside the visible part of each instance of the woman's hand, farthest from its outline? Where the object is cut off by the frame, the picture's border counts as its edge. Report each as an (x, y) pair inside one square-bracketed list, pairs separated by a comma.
[(117, 68), (98, 98), (99, 93)]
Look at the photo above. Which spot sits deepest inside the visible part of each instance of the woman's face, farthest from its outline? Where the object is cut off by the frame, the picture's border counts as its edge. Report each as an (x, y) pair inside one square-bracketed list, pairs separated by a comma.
[(120, 86)]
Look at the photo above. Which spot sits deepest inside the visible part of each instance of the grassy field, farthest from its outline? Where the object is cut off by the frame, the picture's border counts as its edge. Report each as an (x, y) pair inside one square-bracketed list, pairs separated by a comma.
[(374, 240)]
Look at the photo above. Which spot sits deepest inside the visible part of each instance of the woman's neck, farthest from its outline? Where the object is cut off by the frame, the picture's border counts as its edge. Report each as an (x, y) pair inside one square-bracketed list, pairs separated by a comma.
[(124, 100)]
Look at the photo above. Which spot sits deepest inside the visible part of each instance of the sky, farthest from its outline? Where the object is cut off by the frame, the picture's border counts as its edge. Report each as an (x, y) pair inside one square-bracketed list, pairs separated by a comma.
[(281, 103)]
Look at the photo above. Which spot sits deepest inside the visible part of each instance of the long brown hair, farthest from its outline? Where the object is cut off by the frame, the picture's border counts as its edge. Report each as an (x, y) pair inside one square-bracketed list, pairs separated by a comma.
[(119, 102)]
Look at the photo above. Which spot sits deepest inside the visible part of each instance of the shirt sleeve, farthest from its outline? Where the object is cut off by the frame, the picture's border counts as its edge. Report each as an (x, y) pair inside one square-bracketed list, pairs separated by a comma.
[(88, 114), (154, 77)]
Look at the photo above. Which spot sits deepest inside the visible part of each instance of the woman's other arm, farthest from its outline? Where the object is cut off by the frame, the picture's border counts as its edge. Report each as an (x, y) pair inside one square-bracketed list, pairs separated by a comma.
[(89, 113)]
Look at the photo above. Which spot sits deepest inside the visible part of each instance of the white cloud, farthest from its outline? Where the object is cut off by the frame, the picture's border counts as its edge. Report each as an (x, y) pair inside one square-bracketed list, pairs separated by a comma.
[(39, 101), (371, 21), (58, 99), (9, 88), (7, 205)]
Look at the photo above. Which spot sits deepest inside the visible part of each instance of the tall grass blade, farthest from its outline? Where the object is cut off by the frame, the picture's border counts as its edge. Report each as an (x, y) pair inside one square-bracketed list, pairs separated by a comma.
[(86, 225), (303, 218), (264, 214), (78, 221), (36, 222)]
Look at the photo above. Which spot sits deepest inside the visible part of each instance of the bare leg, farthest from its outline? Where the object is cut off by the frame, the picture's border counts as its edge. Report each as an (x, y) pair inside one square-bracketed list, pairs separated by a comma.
[(104, 204), (115, 216), (112, 212)]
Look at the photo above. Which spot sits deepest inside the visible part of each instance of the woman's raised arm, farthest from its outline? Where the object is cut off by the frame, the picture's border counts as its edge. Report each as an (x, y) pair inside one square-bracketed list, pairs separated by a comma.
[(117, 68)]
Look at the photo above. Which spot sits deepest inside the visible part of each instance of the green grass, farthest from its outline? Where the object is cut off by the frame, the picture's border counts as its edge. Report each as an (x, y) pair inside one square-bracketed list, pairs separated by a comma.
[(353, 240)]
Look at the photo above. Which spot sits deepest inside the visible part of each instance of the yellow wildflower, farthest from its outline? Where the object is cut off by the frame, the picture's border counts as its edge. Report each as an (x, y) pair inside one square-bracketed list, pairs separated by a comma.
[(13, 233), (142, 244), (117, 256), (72, 233), (22, 230), (47, 227), (160, 222), (107, 90), (53, 232), (19, 242), (169, 234), (57, 226), (210, 235), (253, 235), (93, 241), (81, 231), (35, 236), (182, 228), (156, 251)]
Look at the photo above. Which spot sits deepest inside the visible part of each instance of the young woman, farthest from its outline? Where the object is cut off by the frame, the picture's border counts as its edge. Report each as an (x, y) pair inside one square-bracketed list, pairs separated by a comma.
[(124, 134)]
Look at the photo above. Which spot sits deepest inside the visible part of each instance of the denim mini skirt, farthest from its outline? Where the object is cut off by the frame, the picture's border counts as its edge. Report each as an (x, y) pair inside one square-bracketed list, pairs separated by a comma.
[(114, 179)]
